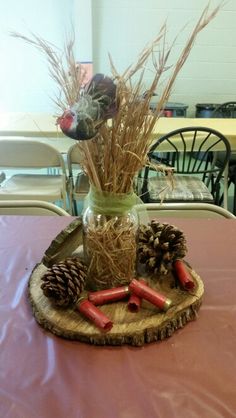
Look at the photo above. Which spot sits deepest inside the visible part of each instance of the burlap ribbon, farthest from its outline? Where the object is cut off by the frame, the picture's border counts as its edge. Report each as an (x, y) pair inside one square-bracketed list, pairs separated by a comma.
[(108, 203)]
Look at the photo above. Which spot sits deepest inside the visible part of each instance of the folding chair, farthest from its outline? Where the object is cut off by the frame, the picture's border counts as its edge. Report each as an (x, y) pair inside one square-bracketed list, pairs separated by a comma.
[(191, 152), (182, 210), (78, 181), (30, 207), (25, 156)]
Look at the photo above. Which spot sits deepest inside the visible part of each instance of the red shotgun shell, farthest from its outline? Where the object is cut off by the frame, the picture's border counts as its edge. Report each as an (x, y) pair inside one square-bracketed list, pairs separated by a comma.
[(108, 295), (143, 291), (94, 314), (183, 275), (134, 302)]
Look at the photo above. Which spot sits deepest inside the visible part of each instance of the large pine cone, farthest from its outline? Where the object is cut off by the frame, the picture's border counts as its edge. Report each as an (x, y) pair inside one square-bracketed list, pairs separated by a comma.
[(64, 282), (159, 245)]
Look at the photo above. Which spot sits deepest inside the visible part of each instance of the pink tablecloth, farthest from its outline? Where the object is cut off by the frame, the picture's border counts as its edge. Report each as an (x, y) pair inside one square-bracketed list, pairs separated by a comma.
[(190, 375)]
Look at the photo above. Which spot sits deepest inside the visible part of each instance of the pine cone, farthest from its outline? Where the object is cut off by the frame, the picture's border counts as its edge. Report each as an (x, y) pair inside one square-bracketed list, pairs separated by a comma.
[(63, 282), (159, 245)]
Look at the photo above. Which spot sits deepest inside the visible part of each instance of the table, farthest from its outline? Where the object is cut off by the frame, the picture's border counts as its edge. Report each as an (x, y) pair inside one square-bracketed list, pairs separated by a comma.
[(226, 126), (29, 124), (191, 374), (43, 126)]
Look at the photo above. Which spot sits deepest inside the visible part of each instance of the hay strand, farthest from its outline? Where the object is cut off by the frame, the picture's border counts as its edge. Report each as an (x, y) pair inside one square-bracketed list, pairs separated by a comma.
[(111, 250)]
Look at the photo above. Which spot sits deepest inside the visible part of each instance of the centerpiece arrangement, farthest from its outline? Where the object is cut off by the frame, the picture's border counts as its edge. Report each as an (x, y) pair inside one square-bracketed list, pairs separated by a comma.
[(111, 118)]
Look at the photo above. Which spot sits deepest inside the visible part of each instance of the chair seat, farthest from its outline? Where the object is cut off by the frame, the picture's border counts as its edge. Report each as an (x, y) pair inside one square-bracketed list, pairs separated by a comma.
[(192, 151), (185, 188), (27, 186)]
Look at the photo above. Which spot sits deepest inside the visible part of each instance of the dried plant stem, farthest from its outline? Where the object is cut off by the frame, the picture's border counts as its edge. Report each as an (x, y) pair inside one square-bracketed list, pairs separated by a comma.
[(119, 151), (68, 74), (91, 166), (122, 144), (203, 21)]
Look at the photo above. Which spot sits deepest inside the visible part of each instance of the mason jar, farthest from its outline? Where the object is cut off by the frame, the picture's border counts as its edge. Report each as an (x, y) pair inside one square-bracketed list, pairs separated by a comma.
[(110, 234)]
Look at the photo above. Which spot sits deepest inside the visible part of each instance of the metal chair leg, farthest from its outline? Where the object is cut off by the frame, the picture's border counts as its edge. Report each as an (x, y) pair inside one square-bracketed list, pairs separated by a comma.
[(75, 210)]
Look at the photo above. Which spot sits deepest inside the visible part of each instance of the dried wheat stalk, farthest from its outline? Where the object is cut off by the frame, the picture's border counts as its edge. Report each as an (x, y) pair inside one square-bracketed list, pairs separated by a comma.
[(119, 151), (68, 74)]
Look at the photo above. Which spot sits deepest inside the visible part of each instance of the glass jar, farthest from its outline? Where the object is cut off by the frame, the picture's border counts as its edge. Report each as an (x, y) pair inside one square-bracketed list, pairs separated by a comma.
[(110, 247)]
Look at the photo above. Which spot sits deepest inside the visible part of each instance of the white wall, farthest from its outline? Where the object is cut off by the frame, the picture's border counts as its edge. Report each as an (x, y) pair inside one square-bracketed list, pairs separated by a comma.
[(123, 28), (25, 84)]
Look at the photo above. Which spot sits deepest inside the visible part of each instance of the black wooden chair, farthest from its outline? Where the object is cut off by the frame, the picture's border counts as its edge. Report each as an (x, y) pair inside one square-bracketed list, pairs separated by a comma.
[(227, 110), (232, 180), (231, 176), (191, 152)]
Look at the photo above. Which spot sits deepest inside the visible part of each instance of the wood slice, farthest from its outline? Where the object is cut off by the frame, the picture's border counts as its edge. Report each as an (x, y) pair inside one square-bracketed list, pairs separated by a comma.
[(145, 326), (63, 245)]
